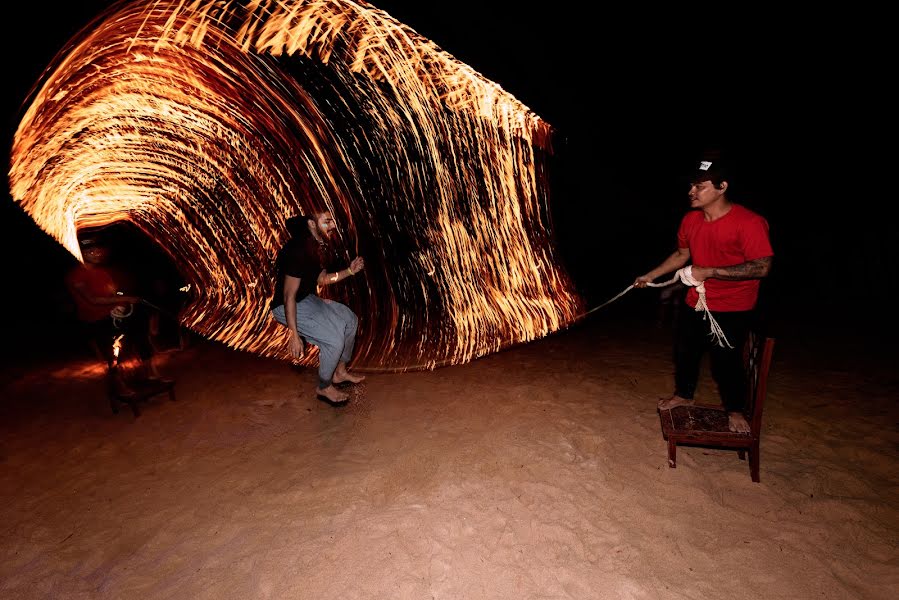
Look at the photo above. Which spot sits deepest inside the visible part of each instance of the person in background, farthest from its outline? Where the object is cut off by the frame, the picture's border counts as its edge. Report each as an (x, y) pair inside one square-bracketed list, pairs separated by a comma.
[(107, 308)]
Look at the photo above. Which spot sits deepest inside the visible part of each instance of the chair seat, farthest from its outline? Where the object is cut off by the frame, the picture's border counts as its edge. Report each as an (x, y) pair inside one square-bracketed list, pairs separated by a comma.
[(693, 418), (140, 391), (702, 424)]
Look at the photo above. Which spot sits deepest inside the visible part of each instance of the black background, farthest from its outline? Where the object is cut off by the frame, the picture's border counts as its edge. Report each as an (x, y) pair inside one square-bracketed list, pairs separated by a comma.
[(636, 95)]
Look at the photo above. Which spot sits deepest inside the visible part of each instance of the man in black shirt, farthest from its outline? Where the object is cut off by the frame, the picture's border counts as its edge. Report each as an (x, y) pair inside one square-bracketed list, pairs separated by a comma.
[(325, 323)]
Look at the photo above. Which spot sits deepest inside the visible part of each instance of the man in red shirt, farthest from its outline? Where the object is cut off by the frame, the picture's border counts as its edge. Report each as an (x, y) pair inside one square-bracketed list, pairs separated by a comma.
[(107, 308), (730, 251)]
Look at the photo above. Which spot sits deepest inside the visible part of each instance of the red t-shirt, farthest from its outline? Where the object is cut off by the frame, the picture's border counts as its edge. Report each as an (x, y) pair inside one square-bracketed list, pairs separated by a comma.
[(97, 281), (739, 236)]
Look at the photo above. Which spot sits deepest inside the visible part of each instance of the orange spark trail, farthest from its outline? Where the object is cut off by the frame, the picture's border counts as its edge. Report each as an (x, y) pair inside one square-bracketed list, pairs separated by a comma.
[(207, 124)]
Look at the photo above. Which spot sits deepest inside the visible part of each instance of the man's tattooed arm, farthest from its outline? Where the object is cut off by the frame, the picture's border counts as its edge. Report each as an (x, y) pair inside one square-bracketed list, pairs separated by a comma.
[(753, 269)]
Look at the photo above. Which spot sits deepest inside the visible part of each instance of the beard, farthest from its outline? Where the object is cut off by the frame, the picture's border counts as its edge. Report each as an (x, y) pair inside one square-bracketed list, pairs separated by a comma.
[(324, 235)]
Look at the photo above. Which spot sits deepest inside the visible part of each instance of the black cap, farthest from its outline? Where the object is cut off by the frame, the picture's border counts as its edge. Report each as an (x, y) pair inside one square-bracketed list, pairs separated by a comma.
[(90, 239), (710, 170)]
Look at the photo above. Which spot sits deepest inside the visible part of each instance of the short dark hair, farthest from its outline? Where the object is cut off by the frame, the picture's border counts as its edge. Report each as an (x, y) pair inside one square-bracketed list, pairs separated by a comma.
[(297, 225)]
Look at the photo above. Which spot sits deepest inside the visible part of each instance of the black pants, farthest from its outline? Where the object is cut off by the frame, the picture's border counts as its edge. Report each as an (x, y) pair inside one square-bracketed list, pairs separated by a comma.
[(693, 339)]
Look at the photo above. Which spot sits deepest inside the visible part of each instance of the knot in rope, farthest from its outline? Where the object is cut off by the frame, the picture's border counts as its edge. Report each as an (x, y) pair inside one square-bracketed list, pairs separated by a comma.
[(686, 277)]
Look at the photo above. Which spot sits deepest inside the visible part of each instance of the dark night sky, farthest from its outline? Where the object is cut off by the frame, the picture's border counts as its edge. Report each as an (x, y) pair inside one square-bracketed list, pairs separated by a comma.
[(635, 96)]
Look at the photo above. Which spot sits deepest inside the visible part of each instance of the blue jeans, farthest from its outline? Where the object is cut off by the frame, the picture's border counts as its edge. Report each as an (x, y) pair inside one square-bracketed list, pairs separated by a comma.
[(327, 324)]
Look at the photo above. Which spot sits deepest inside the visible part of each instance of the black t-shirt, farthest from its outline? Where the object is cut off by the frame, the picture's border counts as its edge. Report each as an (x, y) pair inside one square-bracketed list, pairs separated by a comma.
[(300, 257)]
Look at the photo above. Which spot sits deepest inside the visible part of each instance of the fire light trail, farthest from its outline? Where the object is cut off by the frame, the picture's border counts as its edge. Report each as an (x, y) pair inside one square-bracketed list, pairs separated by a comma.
[(207, 124)]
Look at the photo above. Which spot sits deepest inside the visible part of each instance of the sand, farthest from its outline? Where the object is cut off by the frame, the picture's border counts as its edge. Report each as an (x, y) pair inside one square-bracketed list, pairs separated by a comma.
[(536, 473)]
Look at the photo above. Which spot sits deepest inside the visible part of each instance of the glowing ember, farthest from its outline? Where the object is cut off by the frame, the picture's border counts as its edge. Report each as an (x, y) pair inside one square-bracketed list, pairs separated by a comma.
[(208, 124)]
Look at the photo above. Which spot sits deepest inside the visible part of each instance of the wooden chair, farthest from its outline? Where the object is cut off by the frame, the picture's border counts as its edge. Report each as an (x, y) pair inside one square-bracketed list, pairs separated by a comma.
[(140, 390), (127, 381), (706, 425)]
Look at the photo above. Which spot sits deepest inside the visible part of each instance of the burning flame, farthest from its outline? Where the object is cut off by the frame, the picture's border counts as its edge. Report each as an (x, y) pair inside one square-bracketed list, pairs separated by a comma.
[(117, 347), (208, 123)]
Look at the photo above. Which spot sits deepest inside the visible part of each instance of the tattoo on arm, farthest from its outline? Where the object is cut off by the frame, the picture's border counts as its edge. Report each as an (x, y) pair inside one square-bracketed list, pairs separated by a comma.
[(753, 269)]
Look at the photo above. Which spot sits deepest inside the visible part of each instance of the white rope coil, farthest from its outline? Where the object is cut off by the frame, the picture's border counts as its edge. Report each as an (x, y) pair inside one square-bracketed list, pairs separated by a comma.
[(119, 313), (686, 276)]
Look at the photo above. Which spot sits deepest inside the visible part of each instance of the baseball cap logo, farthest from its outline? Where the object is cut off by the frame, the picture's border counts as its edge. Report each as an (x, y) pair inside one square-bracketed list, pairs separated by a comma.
[(704, 165)]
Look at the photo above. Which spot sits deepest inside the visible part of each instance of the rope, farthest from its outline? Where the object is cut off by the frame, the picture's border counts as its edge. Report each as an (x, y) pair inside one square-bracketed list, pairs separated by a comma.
[(119, 313), (629, 288), (686, 277)]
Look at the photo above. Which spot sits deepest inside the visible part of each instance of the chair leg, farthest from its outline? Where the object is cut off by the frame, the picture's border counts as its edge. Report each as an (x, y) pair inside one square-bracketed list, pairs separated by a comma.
[(672, 453), (112, 392), (134, 408), (754, 462)]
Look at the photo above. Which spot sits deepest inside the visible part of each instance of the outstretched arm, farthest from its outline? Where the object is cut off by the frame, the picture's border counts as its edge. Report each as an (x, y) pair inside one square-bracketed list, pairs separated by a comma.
[(325, 278), (751, 269), (674, 262), (81, 289)]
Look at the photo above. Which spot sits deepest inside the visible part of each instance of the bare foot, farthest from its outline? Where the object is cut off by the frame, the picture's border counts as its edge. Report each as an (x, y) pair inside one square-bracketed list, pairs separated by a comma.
[(736, 422), (332, 394), (347, 377), (671, 402)]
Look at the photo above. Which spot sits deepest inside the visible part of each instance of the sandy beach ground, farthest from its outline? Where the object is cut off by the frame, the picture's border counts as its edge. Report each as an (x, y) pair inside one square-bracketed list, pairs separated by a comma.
[(536, 473)]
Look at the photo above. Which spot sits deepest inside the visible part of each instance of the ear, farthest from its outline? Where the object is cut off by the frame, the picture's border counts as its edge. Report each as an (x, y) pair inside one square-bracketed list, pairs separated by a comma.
[(723, 186)]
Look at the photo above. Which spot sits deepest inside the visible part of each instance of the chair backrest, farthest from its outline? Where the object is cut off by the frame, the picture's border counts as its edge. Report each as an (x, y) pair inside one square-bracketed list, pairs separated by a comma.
[(757, 357)]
